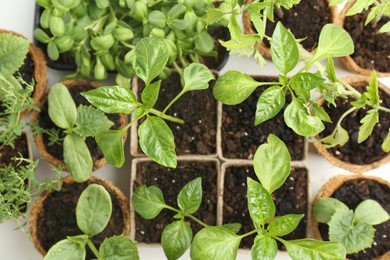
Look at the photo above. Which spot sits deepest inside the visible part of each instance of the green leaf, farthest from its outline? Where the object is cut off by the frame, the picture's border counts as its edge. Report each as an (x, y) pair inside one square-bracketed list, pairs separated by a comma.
[(234, 227), (371, 212), (234, 87), (260, 204), (307, 249), (297, 117), (149, 95), (215, 243), (303, 83), (65, 249), (112, 99), (386, 143), (93, 210), (372, 91), (196, 77), (335, 2), (269, 104), (288, 4), (284, 49), (234, 28), (77, 157), (62, 109), (148, 201), (151, 58), (175, 239), (320, 112), (272, 163), (204, 43), (368, 122), (90, 121), (330, 70), (338, 137), (156, 141), (359, 6), (213, 16), (385, 28), (324, 208), (118, 248), (111, 142), (284, 225), (79, 239), (190, 196), (264, 247), (13, 51)]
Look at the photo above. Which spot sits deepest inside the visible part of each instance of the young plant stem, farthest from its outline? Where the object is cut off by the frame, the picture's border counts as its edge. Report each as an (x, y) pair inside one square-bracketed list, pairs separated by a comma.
[(174, 100), (165, 116), (349, 111), (93, 249), (249, 233), (200, 222)]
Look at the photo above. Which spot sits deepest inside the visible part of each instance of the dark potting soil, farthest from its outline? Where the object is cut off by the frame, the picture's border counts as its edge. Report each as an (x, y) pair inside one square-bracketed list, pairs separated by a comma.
[(57, 149), (370, 150), (371, 47), (290, 198), (57, 220), (240, 136), (171, 181), (198, 109), (20, 150), (305, 20), (352, 193)]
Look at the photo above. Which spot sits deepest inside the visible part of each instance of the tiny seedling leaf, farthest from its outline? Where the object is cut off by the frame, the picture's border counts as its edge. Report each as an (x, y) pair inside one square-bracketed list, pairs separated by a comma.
[(190, 196), (269, 104), (386, 143), (196, 77), (62, 109), (148, 201), (111, 144), (303, 83), (118, 248), (372, 93), (260, 204), (175, 239)]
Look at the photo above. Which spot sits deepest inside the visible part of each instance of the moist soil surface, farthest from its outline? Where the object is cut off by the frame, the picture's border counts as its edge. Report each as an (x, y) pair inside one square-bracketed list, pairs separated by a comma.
[(57, 149), (371, 47), (368, 151), (290, 198), (241, 138), (198, 109), (20, 150), (57, 220), (171, 181), (352, 193), (305, 21)]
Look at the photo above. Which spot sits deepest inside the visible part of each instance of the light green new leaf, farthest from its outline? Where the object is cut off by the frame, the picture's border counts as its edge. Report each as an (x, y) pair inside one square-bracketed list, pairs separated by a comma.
[(93, 210), (148, 201), (269, 104), (284, 225), (157, 142), (77, 157), (13, 51), (303, 83), (112, 99), (324, 208), (151, 57), (359, 6), (335, 2), (215, 243), (386, 143), (299, 119), (284, 49), (234, 28), (372, 91), (62, 109), (371, 212), (287, 4), (272, 163), (79, 239), (149, 95), (176, 238), (320, 112), (118, 248), (65, 250), (338, 137), (234, 227), (190, 196), (368, 123), (111, 144), (308, 249), (260, 204), (196, 77), (330, 70), (213, 16), (90, 121), (385, 28), (264, 247), (234, 87)]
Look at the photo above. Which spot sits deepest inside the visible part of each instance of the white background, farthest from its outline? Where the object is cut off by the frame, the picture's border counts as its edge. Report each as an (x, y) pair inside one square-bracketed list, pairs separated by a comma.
[(18, 16)]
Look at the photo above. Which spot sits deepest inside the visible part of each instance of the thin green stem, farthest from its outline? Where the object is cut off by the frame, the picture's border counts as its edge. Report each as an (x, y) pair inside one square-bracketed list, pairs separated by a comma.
[(385, 109), (351, 90), (165, 116), (178, 69), (200, 222), (94, 249), (173, 100), (249, 233)]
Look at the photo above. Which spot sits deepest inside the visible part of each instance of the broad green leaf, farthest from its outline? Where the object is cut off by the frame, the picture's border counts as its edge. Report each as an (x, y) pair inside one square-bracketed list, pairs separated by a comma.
[(111, 142), (148, 201), (338, 137), (371, 212), (93, 210), (77, 157), (65, 250), (386, 143), (272, 163), (297, 117), (284, 49), (151, 57), (90, 121), (385, 28), (215, 243), (372, 91), (264, 247), (118, 248), (303, 83), (320, 112), (284, 225), (260, 204), (354, 237), (368, 122), (308, 249), (196, 77), (190, 196), (204, 43), (330, 70), (234, 227), (269, 104), (156, 141), (234, 87), (149, 95), (324, 208), (62, 109), (112, 99), (175, 239), (13, 51)]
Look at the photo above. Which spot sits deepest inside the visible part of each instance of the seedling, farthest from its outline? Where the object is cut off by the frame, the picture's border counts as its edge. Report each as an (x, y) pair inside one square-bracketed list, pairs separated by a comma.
[(272, 167), (353, 229), (93, 212)]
